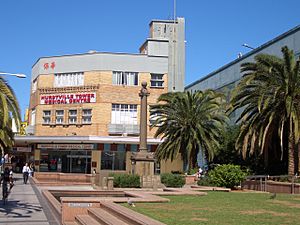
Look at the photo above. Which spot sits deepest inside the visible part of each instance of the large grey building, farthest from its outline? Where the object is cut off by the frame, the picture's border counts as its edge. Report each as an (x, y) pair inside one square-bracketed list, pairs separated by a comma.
[(225, 78)]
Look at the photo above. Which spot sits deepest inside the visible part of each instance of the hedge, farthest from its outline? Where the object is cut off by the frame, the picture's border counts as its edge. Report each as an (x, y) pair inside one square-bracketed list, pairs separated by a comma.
[(126, 180), (172, 180)]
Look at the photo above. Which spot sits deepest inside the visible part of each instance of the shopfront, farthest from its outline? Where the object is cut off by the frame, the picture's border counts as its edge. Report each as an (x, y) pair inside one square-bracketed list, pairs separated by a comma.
[(66, 158), (85, 154)]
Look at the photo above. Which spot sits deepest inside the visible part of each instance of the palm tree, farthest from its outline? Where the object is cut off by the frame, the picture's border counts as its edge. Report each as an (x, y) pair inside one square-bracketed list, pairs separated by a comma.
[(187, 122), (9, 111), (269, 95)]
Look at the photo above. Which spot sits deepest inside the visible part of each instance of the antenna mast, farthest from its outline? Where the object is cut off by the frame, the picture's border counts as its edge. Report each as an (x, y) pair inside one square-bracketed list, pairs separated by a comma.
[(174, 41)]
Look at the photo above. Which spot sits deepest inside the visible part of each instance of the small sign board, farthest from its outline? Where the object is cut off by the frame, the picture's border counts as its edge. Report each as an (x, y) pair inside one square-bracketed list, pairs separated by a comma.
[(80, 205), (66, 146), (22, 149)]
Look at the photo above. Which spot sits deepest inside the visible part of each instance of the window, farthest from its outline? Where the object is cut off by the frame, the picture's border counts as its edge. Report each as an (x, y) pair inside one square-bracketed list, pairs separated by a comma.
[(157, 80), (86, 116), (68, 79), (125, 78), (34, 86), (72, 116), (59, 116), (46, 116), (113, 160), (32, 121), (124, 114)]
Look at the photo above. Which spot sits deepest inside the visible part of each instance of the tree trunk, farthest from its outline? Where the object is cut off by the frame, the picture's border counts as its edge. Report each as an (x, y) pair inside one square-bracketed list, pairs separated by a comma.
[(298, 164), (291, 156)]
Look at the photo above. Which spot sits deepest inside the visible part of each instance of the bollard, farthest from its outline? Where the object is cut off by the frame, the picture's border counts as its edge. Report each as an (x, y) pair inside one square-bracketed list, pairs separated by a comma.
[(110, 183)]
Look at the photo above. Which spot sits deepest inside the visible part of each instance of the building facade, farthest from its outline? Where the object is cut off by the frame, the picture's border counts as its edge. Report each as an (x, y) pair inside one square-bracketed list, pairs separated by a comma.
[(84, 109), (226, 78)]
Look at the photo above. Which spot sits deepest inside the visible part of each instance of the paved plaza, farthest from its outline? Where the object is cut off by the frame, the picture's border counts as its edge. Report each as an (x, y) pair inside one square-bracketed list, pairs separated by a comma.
[(25, 206)]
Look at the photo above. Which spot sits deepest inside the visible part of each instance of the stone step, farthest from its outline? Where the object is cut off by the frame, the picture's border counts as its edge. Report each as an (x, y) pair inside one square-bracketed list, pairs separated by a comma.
[(86, 220), (104, 217), (70, 223), (128, 215)]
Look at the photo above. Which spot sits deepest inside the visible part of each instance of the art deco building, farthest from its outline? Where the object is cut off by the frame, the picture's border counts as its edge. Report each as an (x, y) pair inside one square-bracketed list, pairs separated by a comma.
[(84, 108)]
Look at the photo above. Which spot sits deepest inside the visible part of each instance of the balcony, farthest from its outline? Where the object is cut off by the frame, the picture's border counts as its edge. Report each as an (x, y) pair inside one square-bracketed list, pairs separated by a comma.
[(131, 129)]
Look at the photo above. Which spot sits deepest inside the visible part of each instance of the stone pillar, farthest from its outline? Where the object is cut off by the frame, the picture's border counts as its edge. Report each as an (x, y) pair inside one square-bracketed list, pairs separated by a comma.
[(143, 161), (143, 117)]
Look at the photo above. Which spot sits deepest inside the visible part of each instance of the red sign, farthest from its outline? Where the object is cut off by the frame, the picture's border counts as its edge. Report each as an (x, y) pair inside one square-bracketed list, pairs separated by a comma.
[(70, 98), (46, 65)]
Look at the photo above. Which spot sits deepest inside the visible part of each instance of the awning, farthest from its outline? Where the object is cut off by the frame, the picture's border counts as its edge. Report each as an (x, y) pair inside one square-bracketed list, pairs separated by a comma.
[(25, 140)]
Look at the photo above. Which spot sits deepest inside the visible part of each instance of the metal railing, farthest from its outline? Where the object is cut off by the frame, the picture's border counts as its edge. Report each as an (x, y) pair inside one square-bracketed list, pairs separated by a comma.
[(266, 183)]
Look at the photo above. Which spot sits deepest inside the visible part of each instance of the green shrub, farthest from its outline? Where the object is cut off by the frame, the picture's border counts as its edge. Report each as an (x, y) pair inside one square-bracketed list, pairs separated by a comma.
[(126, 180), (205, 181), (176, 172), (172, 180), (193, 171), (227, 175)]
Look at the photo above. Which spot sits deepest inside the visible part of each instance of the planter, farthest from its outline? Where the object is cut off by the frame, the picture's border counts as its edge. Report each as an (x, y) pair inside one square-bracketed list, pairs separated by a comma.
[(190, 179)]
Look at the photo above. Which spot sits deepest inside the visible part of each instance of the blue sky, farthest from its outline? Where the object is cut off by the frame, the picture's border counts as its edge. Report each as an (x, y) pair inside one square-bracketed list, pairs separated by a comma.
[(215, 30)]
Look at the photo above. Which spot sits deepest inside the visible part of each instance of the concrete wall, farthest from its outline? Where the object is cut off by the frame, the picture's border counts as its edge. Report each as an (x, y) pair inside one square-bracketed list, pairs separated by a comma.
[(229, 75)]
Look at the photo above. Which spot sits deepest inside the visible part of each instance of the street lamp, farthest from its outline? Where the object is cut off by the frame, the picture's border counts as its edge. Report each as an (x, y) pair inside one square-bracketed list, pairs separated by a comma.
[(247, 46), (20, 75)]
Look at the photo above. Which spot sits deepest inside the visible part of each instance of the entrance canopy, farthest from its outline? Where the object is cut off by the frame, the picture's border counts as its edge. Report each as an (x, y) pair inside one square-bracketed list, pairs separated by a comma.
[(25, 140)]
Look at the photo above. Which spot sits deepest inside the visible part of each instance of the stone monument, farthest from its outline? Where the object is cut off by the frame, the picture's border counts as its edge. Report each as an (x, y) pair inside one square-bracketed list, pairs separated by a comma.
[(143, 161)]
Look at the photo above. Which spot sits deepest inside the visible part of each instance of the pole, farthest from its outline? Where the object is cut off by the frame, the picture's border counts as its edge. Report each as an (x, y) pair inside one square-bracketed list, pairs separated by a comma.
[(143, 117), (174, 41)]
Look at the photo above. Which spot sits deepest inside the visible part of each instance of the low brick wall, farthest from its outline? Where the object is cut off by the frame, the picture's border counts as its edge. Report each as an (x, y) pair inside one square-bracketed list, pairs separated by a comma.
[(272, 186), (70, 207), (190, 179), (73, 178)]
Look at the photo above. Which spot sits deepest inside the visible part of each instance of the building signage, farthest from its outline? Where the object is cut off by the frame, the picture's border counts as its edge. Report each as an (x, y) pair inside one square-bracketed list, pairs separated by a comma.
[(47, 65), (70, 98), (22, 149), (65, 146)]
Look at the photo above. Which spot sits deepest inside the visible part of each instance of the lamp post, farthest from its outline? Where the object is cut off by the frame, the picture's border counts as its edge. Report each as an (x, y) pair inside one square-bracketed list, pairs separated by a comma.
[(19, 75), (247, 46)]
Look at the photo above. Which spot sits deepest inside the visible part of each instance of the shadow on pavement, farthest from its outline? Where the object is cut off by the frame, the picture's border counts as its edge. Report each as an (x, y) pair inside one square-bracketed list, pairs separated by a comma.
[(18, 209)]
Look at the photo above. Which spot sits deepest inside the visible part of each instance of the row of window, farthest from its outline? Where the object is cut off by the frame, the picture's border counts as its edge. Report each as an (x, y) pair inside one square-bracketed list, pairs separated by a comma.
[(86, 117), (119, 78), (120, 114), (131, 79)]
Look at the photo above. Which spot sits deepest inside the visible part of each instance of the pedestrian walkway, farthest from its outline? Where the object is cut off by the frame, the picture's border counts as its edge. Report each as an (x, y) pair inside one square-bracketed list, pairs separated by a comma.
[(23, 206)]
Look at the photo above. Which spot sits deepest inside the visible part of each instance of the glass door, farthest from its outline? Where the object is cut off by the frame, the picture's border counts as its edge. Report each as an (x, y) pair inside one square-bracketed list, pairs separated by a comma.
[(79, 162)]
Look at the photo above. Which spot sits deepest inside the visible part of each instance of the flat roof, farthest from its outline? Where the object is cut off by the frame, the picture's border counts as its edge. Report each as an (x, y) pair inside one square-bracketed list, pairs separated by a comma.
[(162, 21), (95, 53), (254, 51)]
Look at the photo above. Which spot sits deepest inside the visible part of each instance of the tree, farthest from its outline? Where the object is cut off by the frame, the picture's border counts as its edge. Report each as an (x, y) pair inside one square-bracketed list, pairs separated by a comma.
[(227, 154), (9, 112), (269, 96), (187, 122)]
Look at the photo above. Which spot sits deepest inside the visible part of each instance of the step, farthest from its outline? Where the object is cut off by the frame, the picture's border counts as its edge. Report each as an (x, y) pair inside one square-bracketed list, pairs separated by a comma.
[(104, 217), (70, 223), (128, 215), (86, 220)]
